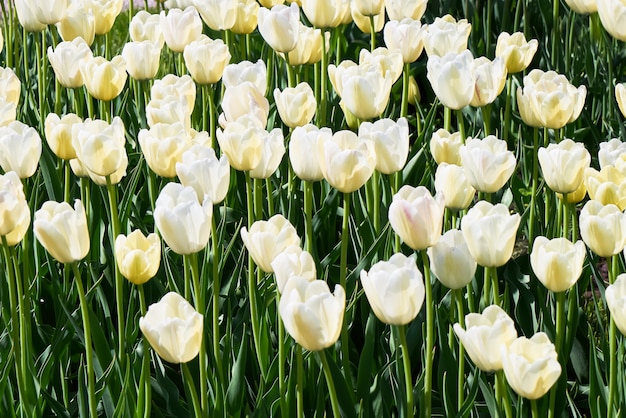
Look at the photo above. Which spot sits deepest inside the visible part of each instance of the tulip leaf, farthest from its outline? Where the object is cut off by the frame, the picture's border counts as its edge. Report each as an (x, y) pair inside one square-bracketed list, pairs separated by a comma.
[(346, 403), (366, 361), (235, 392)]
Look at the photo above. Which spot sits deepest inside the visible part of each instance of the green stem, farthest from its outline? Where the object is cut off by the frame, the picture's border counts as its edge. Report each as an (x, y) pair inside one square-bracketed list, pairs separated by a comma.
[(375, 179), (406, 74), (406, 361), (321, 115), (461, 124), (145, 372), (119, 280), (282, 387), (461, 366), (496, 288), (343, 273), (430, 336), (300, 381), (612, 402), (192, 390), (331, 384), (291, 77), (67, 176), (559, 338), (535, 179), (216, 299), (555, 34), (447, 118), (534, 409), (308, 214), (486, 111), (372, 33), (507, 111), (504, 393), (192, 262)]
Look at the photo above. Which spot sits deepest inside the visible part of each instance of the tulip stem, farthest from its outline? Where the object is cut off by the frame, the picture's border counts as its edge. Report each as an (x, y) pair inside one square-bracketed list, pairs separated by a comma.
[(493, 273), (331, 383), (145, 372), (486, 111), (406, 74), (458, 293), (291, 77), (91, 382), (343, 272), (67, 173), (535, 179), (406, 361), (300, 382), (375, 179), (614, 264), (216, 300), (372, 33), (534, 409), (119, 280), (192, 390), (507, 110), (430, 336), (308, 213), (281, 360), (559, 338), (192, 263), (460, 123), (504, 393), (321, 115), (447, 119)]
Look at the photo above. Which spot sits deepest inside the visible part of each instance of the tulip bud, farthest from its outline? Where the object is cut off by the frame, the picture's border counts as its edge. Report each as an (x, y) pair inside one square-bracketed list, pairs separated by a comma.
[(612, 14), (394, 289), (104, 79), (218, 15), (485, 335), (201, 170), (279, 26), (206, 59), (180, 27), (266, 239), (451, 261), (20, 149), (516, 52), (489, 231), (452, 183), (62, 231), (401, 9), (303, 151), (445, 147), (100, 146), (452, 78), (405, 36), (242, 142), (173, 328), (487, 163), (145, 26), (615, 295), (557, 263), (293, 261), (296, 105), (391, 143), (66, 61), (59, 134), (603, 228), (78, 22), (563, 165), (446, 35), (271, 155), (311, 314), (137, 256)]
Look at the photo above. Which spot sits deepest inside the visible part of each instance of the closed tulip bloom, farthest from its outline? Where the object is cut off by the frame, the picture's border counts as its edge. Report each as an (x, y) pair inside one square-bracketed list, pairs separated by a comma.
[(202, 170), (303, 151), (138, 257), (66, 60), (312, 315), (416, 216), (296, 105), (405, 36), (163, 146), (173, 87), (279, 26), (8, 112), (245, 100), (142, 59), (516, 51), (242, 142), (451, 261), (293, 261), (610, 151), (401, 9), (557, 263), (183, 222), (363, 22), (607, 186), (613, 17), (271, 155), (487, 163), (59, 134), (26, 16), (78, 22), (206, 59), (246, 16), (105, 12), (346, 161), (180, 27), (585, 7), (452, 183), (325, 13), (10, 86), (445, 147), (391, 143), (452, 78), (369, 7), (446, 35), (146, 26), (49, 12), (603, 228), (20, 149), (171, 110), (62, 231), (238, 73), (490, 77), (531, 365), (394, 289), (615, 295), (104, 79), (270, 3), (489, 231), (266, 239), (563, 165), (13, 204), (100, 146), (485, 335), (365, 91), (382, 60), (173, 328), (217, 14), (620, 97), (548, 100)]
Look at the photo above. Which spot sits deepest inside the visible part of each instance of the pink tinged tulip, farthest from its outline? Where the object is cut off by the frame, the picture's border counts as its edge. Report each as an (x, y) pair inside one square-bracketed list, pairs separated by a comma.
[(20, 149), (267, 239), (490, 77)]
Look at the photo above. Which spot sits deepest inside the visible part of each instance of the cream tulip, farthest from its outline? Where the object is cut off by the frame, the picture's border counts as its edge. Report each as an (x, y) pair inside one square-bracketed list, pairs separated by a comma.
[(49, 12), (246, 16), (26, 16), (172, 110), (563, 165), (610, 151), (173, 328), (13, 205), (78, 22), (607, 186), (199, 168), (105, 12), (365, 91), (146, 26), (613, 17), (62, 231), (405, 36), (490, 77), (59, 134), (20, 149), (296, 105), (206, 59), (293, 261), (557, 263), (142, 59), (244, 100), (416, 216), (585, 7), (271, 155), (279, 26), (180, 27), (265, 240), (446, 35), (183, 222), (485, 335), (303, 151), (104, 79), (615, 295), (311, 314), (452, 78), (175, 88), (451, 261), (445, 147), (401, 9), (364, 23), (238, 73), (346, 162), (242, 142), (66, 61), (394, 289), (369, 7), (100, 146), (382, 60), (620, 97), (8, 112), (218, 15), (603, 228), (163, 146), (487, 163), (325, 13), (10, 86), (451, 181), (308, 49), (391, 143), (489, 231), (138, 256), (516, 52), (531, 366)]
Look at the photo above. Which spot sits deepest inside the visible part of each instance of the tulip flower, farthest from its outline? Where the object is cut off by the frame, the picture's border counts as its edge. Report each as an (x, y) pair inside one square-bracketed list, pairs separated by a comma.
[(452, 78), (516, 52), (242, 142), (612, 15), (246, 16), (100, 147), (563, 165), (369, 7), (620, 97), (296, 105), (218, 15), (244, 100), (183, 222), (62, 231), (138, 257), (603, 228), (610, 151), (394, 289), (173, 328), (446, 35), (173, 87), (451, 261), (382, 60), (490, 231), (363, 21), (66, 61), (78, 22), (325, 13), (615, 295), (59, 134), (236, 74), (293, 261), (303, 154), (485, 335), (146, 26), (49, 12), (26, 16), (490, 77), (401, 9), (487, 163), (391, 143), (607, 186), (199, 168), (445, 147), (172, 110), (104, 79), (180, 27), (577, 196), (163, 146), (142, 59), (14, 210), (105, 12), (346, 162), (548, 100), (279, 26), (206, 59), (10, 86), (20, 149), (585, 7), (557, 263), (531, 366), (312, 315), (8, 112), (266, 239), (405, 36), (452, 183), (416, 216), (308, 49), (271, 155)]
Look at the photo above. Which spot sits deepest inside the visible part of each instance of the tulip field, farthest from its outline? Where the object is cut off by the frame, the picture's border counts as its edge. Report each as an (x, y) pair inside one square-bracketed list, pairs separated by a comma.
[(348, 208)]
